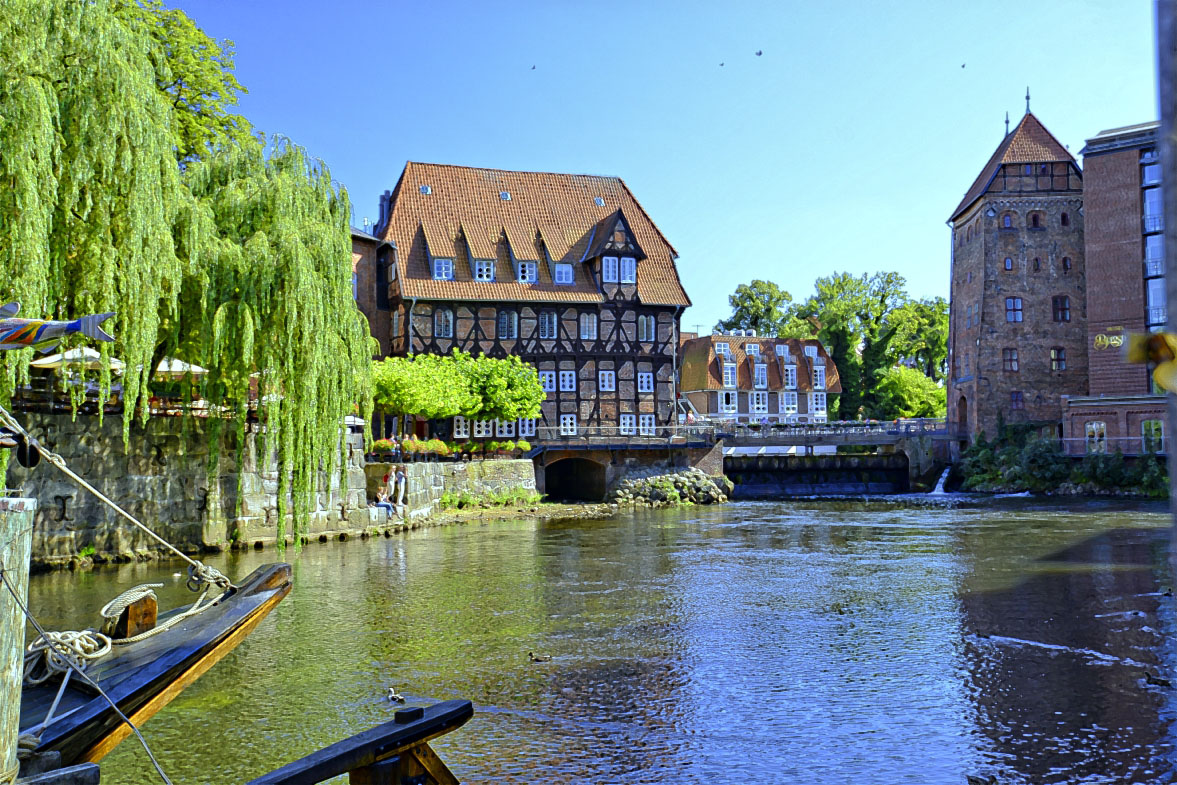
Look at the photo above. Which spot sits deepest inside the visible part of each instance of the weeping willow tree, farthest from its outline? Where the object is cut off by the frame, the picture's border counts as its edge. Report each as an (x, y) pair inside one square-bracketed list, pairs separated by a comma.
[(127, 185)]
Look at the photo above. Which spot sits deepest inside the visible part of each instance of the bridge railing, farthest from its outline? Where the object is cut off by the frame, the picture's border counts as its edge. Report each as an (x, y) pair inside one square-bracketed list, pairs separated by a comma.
[(657, 436), (865, 428)]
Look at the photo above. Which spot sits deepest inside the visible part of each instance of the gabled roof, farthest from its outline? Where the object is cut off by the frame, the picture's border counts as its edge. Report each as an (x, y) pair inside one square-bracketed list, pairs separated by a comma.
[(602, 236), (701, 370), (1028, 143), (546, 211)]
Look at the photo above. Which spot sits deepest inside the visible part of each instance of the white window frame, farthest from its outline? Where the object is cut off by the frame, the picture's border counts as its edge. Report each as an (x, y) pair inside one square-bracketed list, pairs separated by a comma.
[(645, 382), (567, 424), (528, 272), (817, 403), (627, 425), (647, 327), (753, 349), (505, 429), (609, 269), (461, 428), (512, 323), (758, 402), (484, 429), (588, 326), (647, 425), (787, 403), (726, 407), (443, 269), (811, 352), (484, 270), (761, 376), (629, 267), (563, 274), (547, 380), (606, 381), (729, 375), (527, 426), (790, 377), (567, 381), (447, 322), (723, 349), (549, 319), (819, 377)]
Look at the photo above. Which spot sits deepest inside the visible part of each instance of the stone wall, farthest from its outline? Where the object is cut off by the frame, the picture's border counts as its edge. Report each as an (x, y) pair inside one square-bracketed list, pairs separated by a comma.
[(161, 478), (426, 482)]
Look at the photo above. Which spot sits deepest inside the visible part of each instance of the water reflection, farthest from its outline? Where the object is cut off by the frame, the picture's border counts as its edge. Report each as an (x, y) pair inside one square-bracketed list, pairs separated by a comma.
[(813, 642)]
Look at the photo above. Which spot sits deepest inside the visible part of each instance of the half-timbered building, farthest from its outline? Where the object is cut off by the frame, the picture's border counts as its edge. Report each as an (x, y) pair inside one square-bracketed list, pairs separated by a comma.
[(566, 271), (746, 378)]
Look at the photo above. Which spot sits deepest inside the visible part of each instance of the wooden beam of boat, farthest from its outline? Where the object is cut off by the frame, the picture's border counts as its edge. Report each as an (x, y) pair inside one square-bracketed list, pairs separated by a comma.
[(194, 671), (144, 676), (365, 750)]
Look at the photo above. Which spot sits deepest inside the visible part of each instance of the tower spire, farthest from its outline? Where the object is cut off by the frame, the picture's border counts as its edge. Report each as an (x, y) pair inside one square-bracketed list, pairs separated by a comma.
[(1006, 124), (1027, 99)]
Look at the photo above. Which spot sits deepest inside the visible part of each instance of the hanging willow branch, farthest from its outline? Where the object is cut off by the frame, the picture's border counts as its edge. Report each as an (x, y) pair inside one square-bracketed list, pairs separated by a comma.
[(207, 248)]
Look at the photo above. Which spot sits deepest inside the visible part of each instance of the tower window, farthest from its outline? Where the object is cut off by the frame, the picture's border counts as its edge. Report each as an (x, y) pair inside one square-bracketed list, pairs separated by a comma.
[(1016, 402), (1034, 221), (1007, 222), (1066, 264), (1037, 264), (1013, 309), (1009, 360), (1058, 359), (1061, 308), (1009, 263), (1066, 220)]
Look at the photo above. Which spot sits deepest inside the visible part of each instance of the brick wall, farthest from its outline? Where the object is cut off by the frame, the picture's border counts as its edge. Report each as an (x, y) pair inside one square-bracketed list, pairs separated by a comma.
[(1115, 277)]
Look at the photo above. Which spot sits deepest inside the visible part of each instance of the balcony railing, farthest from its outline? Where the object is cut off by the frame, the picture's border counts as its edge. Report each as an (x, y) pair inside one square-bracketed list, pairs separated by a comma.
[(1127, 445), (659, 434)]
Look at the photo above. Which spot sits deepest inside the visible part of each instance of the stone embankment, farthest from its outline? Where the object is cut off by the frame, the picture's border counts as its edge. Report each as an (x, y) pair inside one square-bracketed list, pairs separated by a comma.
[(691, 486)]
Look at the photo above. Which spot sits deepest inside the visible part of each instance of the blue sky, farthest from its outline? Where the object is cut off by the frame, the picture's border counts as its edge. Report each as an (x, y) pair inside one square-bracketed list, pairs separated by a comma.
[(844, 146)]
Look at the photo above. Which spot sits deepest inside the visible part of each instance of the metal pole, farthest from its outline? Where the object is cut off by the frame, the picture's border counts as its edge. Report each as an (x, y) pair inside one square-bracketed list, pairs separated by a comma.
[(16, 539), (1166, 13)]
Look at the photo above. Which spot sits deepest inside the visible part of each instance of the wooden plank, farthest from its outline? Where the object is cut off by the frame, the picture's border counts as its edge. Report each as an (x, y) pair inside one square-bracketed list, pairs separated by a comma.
[(138, 617), (434, 765), (365, 749), (145, 712), (83, 774), (16, 538)]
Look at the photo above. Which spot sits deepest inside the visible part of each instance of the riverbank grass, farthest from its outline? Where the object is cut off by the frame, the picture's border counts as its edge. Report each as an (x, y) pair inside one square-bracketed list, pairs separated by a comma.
[(510, 497)]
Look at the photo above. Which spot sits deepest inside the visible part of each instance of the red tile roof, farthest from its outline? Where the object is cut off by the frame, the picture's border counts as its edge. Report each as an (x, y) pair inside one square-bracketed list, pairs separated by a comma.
[(1028, 143), (546, 211)]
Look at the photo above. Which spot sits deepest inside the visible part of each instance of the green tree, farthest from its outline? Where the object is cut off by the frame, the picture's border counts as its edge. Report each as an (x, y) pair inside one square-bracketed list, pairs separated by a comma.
[(507, 389), (905, 392), (129, 191), (761, 306), (921, 336)]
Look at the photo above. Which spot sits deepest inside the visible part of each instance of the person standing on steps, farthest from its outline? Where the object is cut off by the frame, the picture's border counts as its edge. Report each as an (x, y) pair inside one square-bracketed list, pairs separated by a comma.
[(400, 481)]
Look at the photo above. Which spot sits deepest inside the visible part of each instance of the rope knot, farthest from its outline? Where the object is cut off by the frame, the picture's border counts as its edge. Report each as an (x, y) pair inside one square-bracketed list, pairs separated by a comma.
[(200, 574)]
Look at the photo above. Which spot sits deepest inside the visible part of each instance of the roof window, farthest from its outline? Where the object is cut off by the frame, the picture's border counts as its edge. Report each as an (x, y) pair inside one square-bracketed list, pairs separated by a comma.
[(599, 201), (426, 190), (505, 196)]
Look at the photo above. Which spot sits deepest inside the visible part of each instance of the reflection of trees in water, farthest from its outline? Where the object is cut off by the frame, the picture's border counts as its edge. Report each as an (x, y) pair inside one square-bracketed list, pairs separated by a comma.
[(1059, 711)]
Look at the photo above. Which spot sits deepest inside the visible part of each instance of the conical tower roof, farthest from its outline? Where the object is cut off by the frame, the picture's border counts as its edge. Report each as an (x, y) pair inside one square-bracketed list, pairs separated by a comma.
[(1028, 143)]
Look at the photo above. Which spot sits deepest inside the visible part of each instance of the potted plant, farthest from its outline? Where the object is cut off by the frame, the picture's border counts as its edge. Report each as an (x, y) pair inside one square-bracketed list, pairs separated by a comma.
[(506, 448), (382, 449), (522, 447), (411, 448), (436, 447)]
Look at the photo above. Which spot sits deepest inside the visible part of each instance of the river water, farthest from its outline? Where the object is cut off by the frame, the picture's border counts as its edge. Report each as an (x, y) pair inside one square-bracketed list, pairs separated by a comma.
[(890, 641)]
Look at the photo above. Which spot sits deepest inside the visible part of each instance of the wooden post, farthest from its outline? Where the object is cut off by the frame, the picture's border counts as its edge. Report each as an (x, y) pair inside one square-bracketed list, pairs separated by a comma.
[(16, 539), (1166, 15)]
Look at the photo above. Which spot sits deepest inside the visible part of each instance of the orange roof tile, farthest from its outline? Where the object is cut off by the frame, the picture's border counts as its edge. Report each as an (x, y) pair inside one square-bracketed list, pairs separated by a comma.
[(482, 243), (702, 371), (560, 209), (1028, 143)]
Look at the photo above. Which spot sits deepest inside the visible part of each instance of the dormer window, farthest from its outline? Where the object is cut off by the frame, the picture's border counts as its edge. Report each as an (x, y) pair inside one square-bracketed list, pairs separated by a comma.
[(563, 273), (753, 349), (443, 269), (729, 374), (790, 377), (782, 351), (629, 268), (722, 349), (484, 270), (761, 380), (528, 272), (609, 269)]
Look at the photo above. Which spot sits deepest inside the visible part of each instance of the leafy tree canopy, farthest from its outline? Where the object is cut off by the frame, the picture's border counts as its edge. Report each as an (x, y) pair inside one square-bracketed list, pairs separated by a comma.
[(129, 187), (905, 392)]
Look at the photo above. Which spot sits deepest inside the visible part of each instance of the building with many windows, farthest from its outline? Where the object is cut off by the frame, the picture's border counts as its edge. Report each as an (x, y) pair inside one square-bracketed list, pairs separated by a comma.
[(744, 378), (1125, 292), (566, 271), (1017, 326)]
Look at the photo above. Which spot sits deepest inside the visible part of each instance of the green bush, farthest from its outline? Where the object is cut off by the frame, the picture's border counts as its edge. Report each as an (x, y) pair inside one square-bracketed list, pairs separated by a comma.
[(1042, 465), (1106, 470), (382, 445), (523, 445)]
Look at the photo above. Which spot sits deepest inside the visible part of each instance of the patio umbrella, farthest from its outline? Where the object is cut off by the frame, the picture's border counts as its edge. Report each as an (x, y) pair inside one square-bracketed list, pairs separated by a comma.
[(83, 356), (174, 368)]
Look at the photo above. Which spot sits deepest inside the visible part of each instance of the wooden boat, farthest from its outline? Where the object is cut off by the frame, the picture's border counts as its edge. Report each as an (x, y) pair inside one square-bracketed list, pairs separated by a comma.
[(145, 676)]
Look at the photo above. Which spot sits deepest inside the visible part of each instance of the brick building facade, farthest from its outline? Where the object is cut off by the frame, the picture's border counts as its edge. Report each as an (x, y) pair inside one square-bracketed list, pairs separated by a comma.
[(1017, 326), (1126, 292)]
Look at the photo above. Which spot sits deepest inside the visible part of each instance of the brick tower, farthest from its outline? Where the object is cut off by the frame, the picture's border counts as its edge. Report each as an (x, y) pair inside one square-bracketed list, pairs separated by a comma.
[(1017, 324)]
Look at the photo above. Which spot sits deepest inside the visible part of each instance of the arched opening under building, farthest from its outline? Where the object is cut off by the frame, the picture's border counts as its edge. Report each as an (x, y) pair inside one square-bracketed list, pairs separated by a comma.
[(577, 479)]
